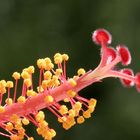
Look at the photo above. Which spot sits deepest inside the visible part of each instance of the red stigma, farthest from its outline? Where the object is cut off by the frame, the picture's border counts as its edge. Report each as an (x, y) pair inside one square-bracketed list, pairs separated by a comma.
[(124, 54), (111, 53), (100, 36), (127, 83)]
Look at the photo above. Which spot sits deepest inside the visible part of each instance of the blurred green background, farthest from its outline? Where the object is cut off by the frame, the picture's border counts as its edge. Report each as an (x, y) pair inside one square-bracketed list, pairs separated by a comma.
[(32, 29)]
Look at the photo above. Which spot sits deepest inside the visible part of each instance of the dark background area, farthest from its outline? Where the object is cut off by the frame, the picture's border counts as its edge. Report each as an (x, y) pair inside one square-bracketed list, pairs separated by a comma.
[(32, 29)]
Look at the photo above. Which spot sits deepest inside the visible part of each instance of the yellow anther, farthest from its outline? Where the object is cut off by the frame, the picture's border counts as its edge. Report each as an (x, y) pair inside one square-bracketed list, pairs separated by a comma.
[(40, 116), (30, 138), (66, 126), (66, 100), (40, 89), (9, 126), (71, 93), (41, 63), (48, 135), (62, 119), (14, 137), (53, 132), (58, 72), (57, 58), (77, 106), (56, 83), (49, 99), (57, 55), (92, 102), (72, 113), (21, 130), (9, 101), (15, 119), (21, 99), (2, 86), (47, 75), (19, 127), (25, 121), (47, 60), (72, 82), (80, 119), (91, 109), (70, 121), (65, 57), (31, 93), (54, 77), (3, 83), (43, 124), (9, 84), (28, 82), (25, 74), (31, 69), (21, 136), (45, 84), (49, 66), (81, 71), (39, 130), (75, 77), (16, 75), (2, 90), (87, 114), (2, 109), (21, 133), (63, 109)]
